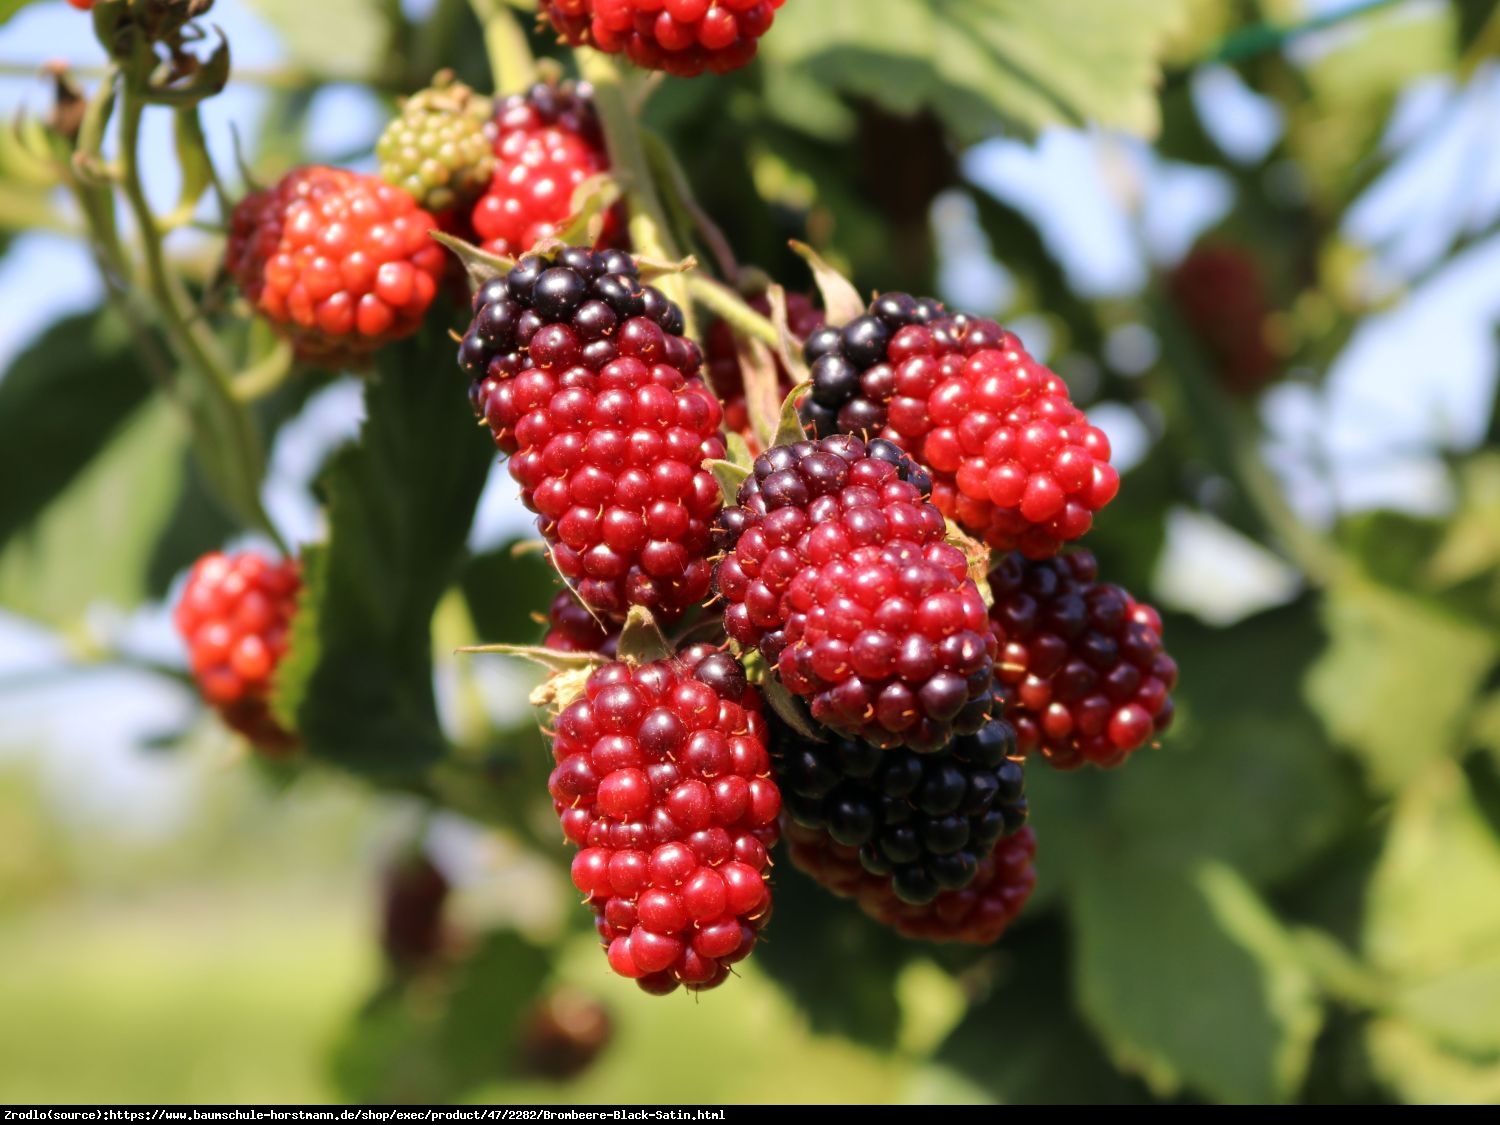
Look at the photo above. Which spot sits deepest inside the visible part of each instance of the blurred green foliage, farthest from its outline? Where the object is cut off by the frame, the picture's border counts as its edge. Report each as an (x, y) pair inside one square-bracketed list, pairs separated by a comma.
[(1297, 897)]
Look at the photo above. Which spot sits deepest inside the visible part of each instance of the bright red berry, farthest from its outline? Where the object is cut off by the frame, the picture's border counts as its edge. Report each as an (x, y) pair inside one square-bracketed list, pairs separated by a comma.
[(549, 143), (663, 782), (723, 362), (1221, 294), (341, 263), (585, 378), (837, 568), (682, 37), (1081, 666), (1013, 460), (82, 5), (234, 614), (978, 914)]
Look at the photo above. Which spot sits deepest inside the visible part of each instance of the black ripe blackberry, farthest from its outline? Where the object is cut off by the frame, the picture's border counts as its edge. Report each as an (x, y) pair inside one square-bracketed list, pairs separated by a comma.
[(852, 379), (926, 821)]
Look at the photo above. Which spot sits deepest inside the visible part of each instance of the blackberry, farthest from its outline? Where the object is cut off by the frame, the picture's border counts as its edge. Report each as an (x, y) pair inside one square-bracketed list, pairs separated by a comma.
[(681, 37), (925, 821), (664, 783), (837, 568), (338, 262), (976, 915), (585, 379), (548, 143), (234, 615), (1013, 460), (1081, 667)]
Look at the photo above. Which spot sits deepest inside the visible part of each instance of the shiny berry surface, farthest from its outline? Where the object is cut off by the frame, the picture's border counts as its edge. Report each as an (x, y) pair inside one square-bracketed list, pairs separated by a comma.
[(584, 377), (837, 568), (1013, 461), (547, 144), (925, 822), (663, 783), (234, 614), (1081, 665), (681, 37), (976, 915), (339, 262)]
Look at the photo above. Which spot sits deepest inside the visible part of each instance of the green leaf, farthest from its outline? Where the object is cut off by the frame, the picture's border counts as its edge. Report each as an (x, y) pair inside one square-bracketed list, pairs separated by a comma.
[(1422, 1073), (94, 542), (1245, 775), (509, 591), (1193, 983), (982, 64), (9, 8), (837, 965), (357, 680), (1433, 922), (426, 1044), (1389, 650), (61, 402), (1056, 1060)]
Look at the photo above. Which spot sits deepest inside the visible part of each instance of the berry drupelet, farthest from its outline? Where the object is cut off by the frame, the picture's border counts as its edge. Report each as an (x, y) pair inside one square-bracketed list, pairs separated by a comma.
[(681, 37), (976, 915), (924, 821), (585, 379), (663, 782), (548, 144), (1081, 665), (1012, 459), (837, 569), (440, 149), (572, 628), (234, 614), (339, 262)]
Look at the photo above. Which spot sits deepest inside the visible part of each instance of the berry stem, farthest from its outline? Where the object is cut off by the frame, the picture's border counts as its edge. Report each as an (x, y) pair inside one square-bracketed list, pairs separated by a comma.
[(650, 235), (728, 305), (679, 193), (223, 433), (512, 65)]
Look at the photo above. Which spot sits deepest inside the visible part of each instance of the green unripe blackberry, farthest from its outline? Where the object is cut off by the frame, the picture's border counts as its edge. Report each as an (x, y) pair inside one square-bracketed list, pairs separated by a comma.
[(440, 148)]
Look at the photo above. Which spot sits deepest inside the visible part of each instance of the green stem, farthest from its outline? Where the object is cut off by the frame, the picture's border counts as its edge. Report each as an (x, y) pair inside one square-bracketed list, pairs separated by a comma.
[(223, 432), (679, 193), (728, 305), (650, 234), (1263, 38), (512, 65)]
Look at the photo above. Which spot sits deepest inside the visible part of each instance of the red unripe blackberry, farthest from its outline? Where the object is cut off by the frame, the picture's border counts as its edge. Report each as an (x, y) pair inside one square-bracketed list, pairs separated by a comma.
[(681, 37), (837, 569), (571, 628), (977, 915), (82, 5), (411, 912), (723, 362), (339, 262), (924, 822), (663, 781), (1081, 665), (549, 143), (1013, 461), (585, 378), (234, 614), (1222, 296)]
